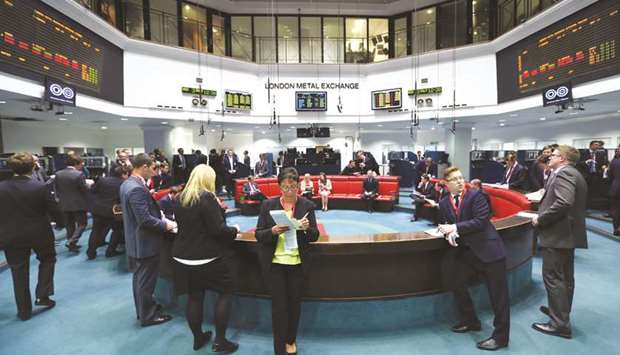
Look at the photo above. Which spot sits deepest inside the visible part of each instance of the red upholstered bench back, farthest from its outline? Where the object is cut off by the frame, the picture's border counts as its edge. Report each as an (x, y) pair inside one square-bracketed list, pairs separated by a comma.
[(158, 195), (506, 203)]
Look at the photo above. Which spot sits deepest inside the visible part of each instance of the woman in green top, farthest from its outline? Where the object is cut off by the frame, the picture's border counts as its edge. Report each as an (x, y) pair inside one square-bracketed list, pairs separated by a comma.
[(285, 264)]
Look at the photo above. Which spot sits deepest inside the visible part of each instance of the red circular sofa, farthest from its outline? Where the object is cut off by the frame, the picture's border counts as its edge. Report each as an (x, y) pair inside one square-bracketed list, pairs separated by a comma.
[(346, 193)]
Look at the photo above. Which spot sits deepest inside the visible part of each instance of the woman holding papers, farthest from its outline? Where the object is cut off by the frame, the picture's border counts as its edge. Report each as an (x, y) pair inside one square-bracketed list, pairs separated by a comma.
[(203, 256), (285, 256)]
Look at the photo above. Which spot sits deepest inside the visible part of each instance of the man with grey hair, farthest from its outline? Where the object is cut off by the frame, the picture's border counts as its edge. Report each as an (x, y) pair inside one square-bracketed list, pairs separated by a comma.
[(561, 224)]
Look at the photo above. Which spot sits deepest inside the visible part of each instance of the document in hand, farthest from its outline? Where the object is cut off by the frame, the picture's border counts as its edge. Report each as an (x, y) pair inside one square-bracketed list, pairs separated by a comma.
[(527, 214), (535, 196), (290, 236), (434, 233)]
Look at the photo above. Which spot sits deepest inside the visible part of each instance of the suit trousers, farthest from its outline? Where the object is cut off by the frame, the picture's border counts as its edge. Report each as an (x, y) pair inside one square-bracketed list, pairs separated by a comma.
[(614, 210), (286, 283), (467, 266), (229, 180), (19, 262), (101, 226), (144, 280), (369, 198), (558, 271), (76, 224)]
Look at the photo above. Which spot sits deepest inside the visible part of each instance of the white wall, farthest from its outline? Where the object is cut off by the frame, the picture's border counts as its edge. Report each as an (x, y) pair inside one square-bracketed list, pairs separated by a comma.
[(32, 136)]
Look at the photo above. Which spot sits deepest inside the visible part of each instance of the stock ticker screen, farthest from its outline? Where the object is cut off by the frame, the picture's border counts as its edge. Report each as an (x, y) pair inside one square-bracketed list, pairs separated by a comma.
[(37, 41), (579, 48)]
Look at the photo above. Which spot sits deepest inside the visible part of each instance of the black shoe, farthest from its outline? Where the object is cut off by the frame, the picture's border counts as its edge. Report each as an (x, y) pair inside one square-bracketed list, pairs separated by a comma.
[(91, 256), (617, 232), (45, 302), (544, 310), (225, 347), (464, 327), (491, 344), (202, 340), (548, 328), (24, 316), (163, 318), (73, 248), (113, 253)]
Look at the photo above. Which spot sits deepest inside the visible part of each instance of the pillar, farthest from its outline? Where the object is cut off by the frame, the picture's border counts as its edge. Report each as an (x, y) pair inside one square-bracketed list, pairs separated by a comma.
[(157, 137), (458, 145)]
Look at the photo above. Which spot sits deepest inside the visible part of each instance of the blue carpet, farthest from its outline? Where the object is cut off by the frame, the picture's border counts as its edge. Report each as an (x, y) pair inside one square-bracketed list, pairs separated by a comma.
[(95, 313)]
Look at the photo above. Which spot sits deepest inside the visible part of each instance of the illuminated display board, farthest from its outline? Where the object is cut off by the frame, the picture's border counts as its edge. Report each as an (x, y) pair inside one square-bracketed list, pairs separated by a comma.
[(238, 100), (311, 101), (387, 99), (37, 41), (579, 48)]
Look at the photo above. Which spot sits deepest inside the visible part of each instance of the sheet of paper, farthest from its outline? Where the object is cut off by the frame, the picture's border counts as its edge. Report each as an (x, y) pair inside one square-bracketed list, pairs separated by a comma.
[(535, 196), (290, 236), (527, 214), (434, 233)]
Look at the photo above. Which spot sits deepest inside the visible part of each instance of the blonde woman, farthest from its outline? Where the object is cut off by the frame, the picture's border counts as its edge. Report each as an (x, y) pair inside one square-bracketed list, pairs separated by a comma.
[(325, 188), (306, 187), (202, 251)]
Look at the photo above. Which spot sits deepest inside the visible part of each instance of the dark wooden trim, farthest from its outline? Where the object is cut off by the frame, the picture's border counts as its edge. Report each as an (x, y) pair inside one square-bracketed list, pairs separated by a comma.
[(146, 17)]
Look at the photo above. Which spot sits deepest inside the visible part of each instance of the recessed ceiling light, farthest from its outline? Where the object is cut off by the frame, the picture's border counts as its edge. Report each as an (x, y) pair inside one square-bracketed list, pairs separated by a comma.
[(2, 102), (262, 132), (212, 130), (473, 128), (457, 121), (104, 127), (433, 128), (429, 11), (513, 115), (62, 119), (124, 119), (165, 122), (293, 127), (574, 113), (502, 124), (68, 113), (543, 118), (502, 120), (379, 125)]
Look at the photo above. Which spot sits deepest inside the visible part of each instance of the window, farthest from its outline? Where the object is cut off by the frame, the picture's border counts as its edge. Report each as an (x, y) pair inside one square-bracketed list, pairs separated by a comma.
[(378, 39), (400, 34), (134, 18), (480, 20), (310, 39), (219, 38), (288, 39), (333, 43), (241, 37), (356, 47), (424, 30), (107, 11), (164, 24), (505, 16), (264, 39), (194, 27), (452, 24), (521, 11)]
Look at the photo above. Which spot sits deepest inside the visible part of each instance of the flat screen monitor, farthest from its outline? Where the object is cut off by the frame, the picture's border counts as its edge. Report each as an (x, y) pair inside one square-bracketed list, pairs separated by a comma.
[(387, 99), (304, 133), (238, 100), (311, 101), (322, 132)]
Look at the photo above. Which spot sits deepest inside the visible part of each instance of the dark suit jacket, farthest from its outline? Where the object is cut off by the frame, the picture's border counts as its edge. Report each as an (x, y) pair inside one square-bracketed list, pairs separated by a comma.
[(71, 190), (600, 157), (177, 167), (226, 162), (246, 188), (203, 233), (25, 208), (537, 175), (142, 222), (614, 176), (246, 160), (562, 211), (371, 185), (166, 205), (40, 175), (518, 178), (201, 159), (261, 169), (421, 169), (268, 241), (349, 171), (106, 193), (474, 226)]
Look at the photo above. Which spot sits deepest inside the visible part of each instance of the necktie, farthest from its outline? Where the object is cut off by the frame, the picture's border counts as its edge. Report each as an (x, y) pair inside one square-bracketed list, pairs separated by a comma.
[(456, 200), (251, 188)]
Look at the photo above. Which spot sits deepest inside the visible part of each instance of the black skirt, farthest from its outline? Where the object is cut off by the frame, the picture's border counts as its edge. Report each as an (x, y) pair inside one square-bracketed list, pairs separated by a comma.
[(216, 275)]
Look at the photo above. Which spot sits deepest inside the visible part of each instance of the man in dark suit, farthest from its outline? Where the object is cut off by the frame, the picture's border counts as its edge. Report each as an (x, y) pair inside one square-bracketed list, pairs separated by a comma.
[(230, 168), (200, 158), (261, 169), (425, 167), (180, 169), (25, 226), (166, 203), (515, 175), (371, 189), (122, 159), (477, 249), (144, 231), (246, 159), (251, 190), (561, 224), (425, 191), (350, 169), (38, 173), (365, 161), (539, 170), (106, 193), (71, 191), (592, 164)]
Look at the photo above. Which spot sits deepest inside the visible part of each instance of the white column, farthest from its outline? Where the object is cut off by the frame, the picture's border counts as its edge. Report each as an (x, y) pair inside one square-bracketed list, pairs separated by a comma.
[(158, 137), (458, 145)]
